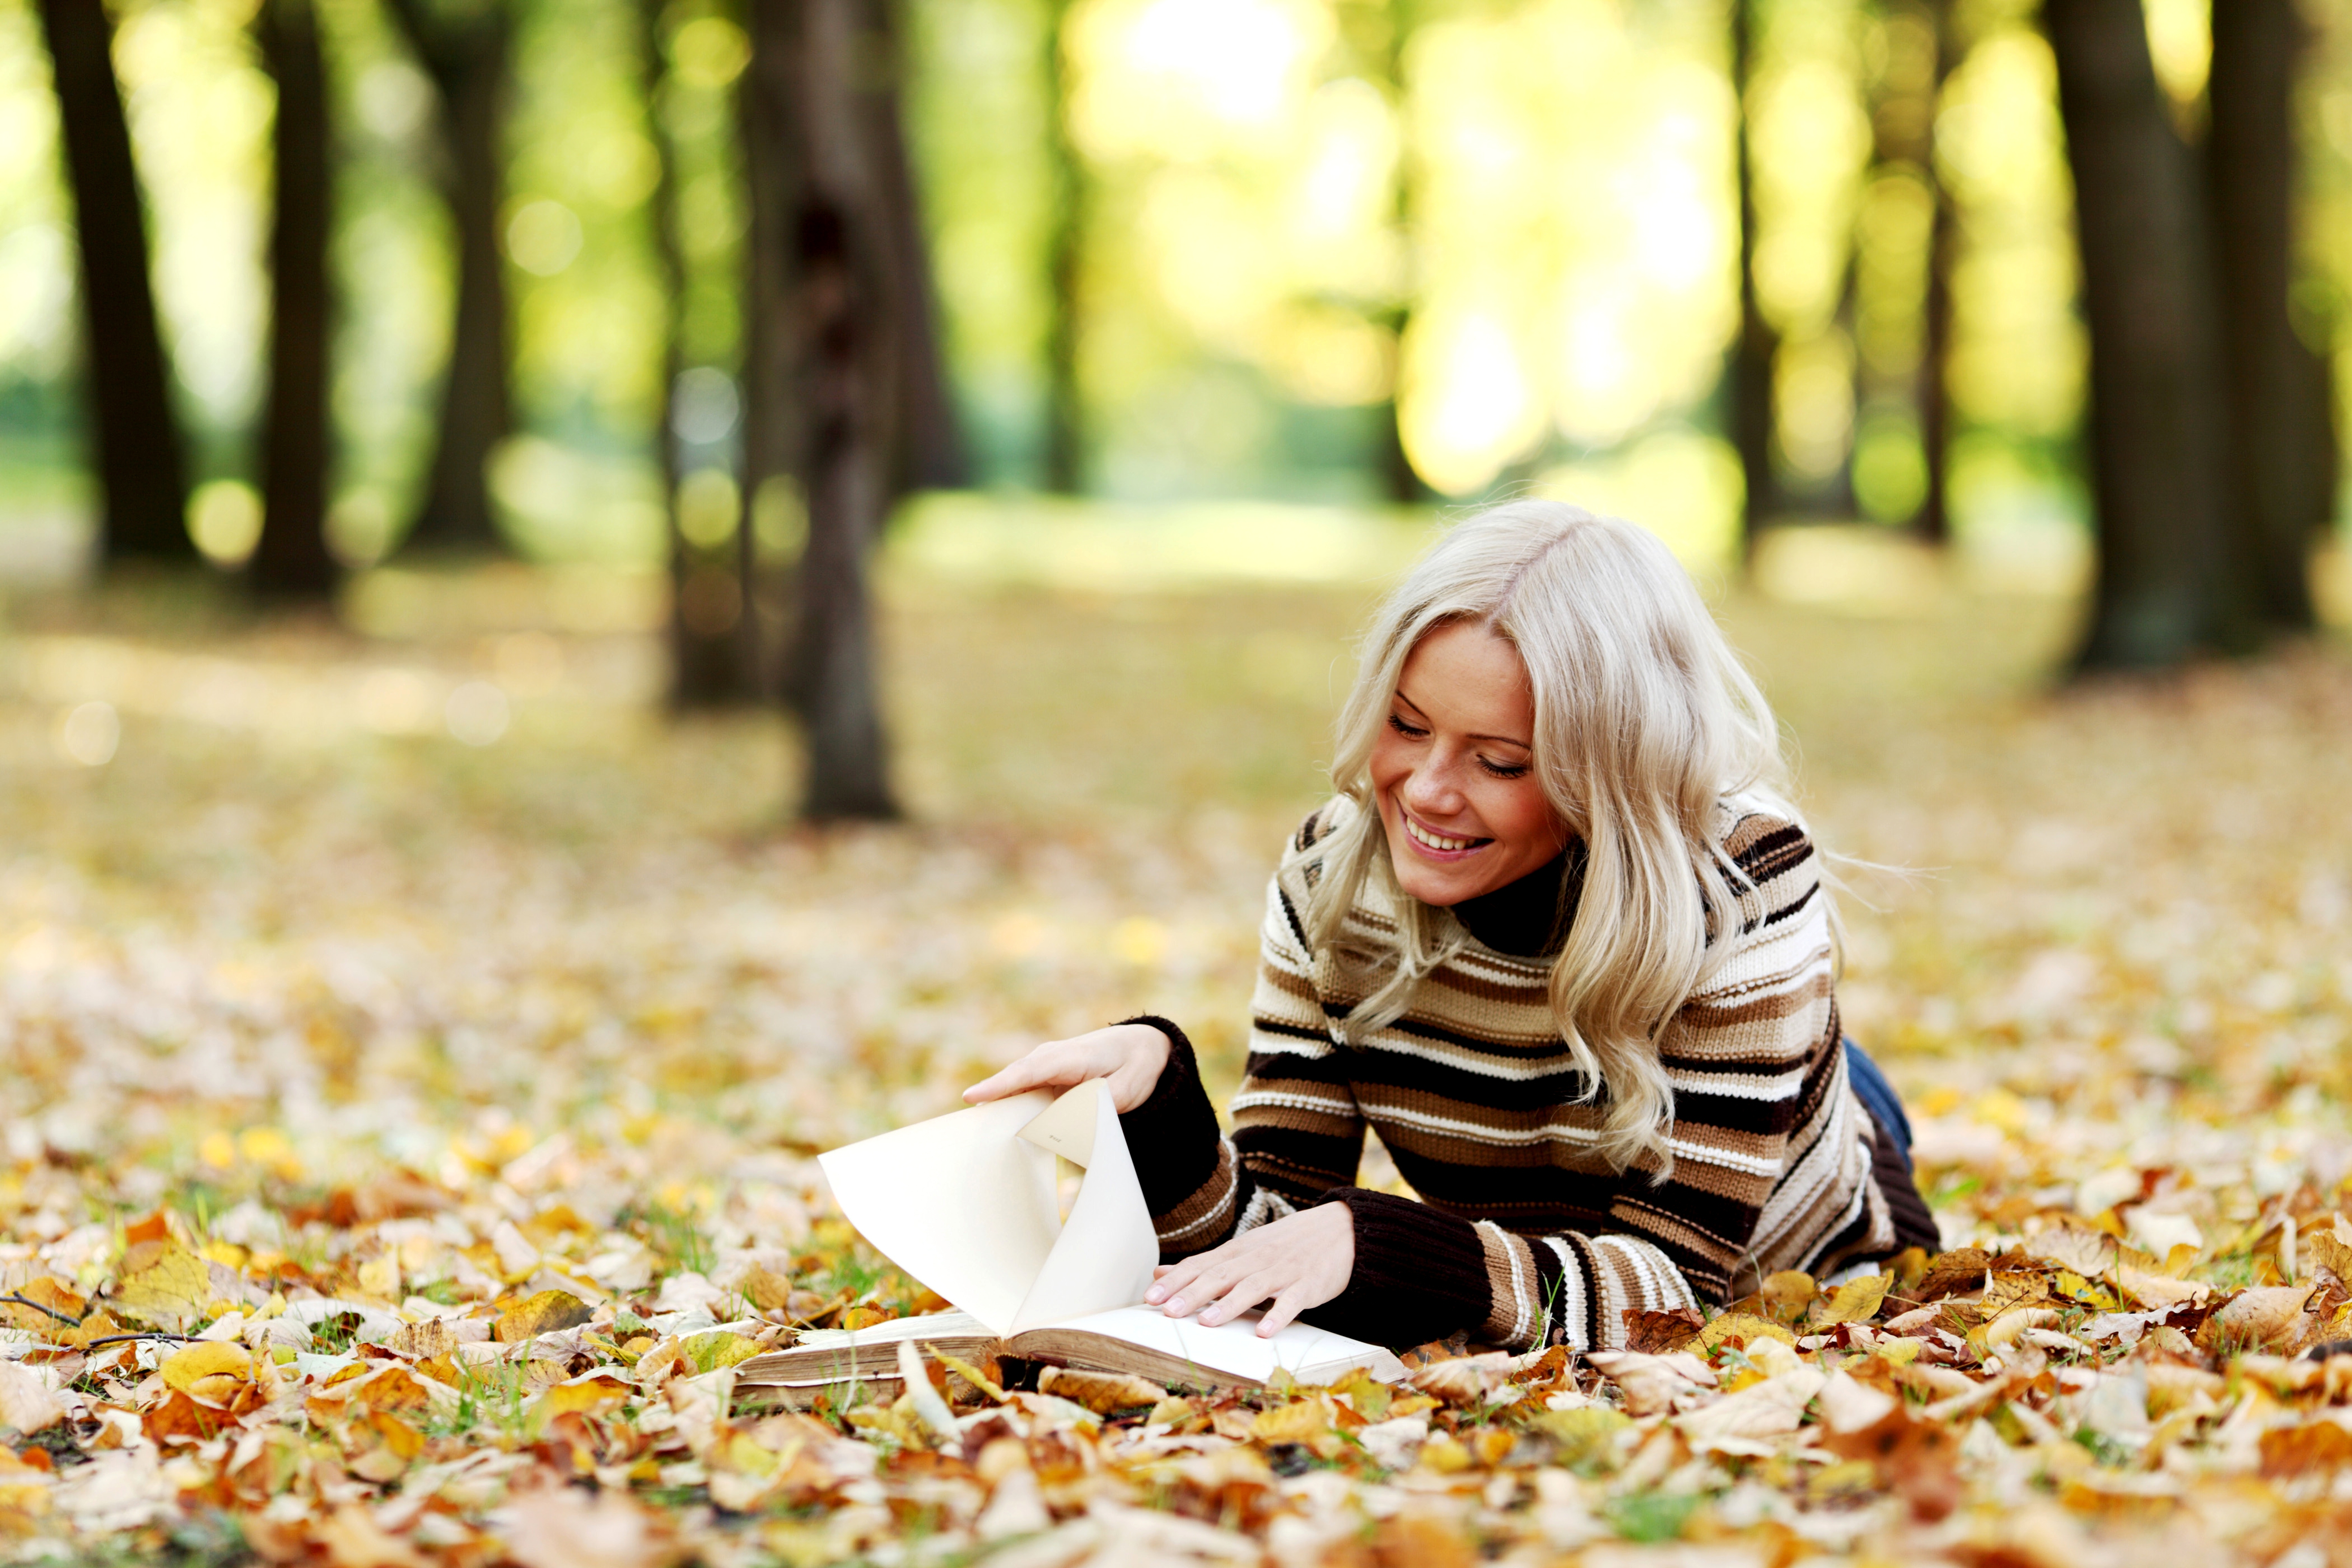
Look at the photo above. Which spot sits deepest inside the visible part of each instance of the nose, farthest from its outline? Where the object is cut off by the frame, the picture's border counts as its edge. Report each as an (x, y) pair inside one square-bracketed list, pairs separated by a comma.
[(1432, 789)]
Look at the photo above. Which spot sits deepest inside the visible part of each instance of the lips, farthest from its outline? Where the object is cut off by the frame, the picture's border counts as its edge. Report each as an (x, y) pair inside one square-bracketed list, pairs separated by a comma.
[(1441, 843)]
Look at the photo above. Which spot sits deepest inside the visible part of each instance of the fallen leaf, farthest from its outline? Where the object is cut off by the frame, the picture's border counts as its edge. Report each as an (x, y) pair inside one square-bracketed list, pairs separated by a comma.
[(2266, 1317), (1736, 1329), (550, 1312), (1469, 1381), (212, 1372), (1787, 1294), (162, 1284), (1654, 1333), (1100, 1392), (1855, 1301), (27, 1405)]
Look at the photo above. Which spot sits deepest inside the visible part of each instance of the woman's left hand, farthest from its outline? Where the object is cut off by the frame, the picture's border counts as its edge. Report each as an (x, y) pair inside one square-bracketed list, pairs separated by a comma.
[(1299, 1261)]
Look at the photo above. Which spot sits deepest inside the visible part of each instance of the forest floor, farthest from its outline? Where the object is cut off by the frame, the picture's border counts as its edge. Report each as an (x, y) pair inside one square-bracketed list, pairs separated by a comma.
[(459, 1100)]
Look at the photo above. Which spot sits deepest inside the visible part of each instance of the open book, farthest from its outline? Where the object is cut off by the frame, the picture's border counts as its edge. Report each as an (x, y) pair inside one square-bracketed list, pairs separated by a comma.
[(966, 1204)]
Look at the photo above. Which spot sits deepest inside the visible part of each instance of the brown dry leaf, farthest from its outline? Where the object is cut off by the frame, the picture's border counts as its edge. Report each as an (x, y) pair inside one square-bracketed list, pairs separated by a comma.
[(1469, 1381), (1855, 1301), (2151, 1289), (1953, 1273), (2330, 1247), (353, 1538), (55, 1295), (2320, 1446), (562, 1526), (550, 1312), (1654, 1333), (2075, 1247), (1918, 1460), (162, 1284), (2266, 1318), (765, 1288), (1100, 1392)]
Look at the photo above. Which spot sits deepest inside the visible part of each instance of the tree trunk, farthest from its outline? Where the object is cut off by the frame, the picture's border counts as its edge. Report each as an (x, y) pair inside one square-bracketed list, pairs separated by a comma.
[(1751, 356), (291, 560), (469, 61), (839, 333), (134, 435), (772, 178), (1068, 203), (1399, 479), (929, 452), (1934, 523), (706, 671), (2281, 427), (2157, 440)]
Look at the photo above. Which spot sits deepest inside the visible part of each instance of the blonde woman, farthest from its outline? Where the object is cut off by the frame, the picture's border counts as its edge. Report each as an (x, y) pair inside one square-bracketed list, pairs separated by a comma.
[(1562, 941)]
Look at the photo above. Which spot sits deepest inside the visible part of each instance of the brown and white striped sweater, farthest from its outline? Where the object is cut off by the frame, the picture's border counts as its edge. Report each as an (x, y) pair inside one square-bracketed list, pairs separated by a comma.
[(1525, 1234)]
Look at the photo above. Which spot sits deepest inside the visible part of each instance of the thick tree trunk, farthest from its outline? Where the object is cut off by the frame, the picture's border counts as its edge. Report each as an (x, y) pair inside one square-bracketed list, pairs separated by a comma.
[(705, 669), (291, 560), (1068, 204), (2281, 428), (928, 452), (1934, 523), (134, 435), (772, 178), (468, 60), (1399, 479), (2157, 439), (839, 333), (1752, 354)]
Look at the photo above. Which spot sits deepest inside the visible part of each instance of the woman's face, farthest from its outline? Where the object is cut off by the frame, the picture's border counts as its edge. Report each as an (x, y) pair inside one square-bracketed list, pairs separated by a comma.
[(1454, 772)]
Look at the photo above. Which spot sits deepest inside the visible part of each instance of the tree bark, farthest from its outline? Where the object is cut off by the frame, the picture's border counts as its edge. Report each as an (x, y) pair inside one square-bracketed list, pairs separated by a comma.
[(839, 334), (705, 669), (1752, 354), (1933, 523), (1399, 479), (2281, 427), (468, 60), (134, 435), (291, 560), (1067, 201), (928, 452), (2157, 438)]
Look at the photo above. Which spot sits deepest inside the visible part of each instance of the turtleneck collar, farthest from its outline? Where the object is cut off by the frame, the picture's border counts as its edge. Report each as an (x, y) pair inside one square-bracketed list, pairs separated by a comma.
[(1530, 918)]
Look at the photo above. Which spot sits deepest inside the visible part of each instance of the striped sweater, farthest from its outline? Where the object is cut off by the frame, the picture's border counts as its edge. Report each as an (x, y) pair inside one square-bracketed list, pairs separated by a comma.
[(1525, 1234)]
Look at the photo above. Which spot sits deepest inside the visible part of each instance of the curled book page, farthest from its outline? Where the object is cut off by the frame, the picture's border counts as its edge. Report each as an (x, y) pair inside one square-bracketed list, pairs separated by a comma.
[(961, 1201), (1104, 1254)]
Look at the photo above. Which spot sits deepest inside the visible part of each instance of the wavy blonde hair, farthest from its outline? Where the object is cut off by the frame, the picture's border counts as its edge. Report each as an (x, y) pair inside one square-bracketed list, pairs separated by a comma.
[(1644, 719)]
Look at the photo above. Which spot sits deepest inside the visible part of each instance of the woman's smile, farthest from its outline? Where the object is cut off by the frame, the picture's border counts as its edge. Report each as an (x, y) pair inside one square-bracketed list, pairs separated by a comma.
[(1454, 770), (1439, 845)]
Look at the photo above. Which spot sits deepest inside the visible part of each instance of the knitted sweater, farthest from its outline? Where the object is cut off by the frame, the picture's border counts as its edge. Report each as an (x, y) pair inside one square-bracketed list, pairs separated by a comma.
[(1525, 1234)]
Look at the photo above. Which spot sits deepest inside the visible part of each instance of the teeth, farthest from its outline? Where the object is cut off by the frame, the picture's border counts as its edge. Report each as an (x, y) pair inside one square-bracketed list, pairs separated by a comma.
[(1433, 840)]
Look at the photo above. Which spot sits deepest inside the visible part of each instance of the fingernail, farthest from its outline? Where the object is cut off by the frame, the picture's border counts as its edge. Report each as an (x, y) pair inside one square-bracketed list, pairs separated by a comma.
[(1176, 1307), (1153, 1294)]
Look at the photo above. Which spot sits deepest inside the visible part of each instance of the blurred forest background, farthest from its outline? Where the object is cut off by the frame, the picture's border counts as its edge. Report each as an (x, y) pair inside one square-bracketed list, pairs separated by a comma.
[(700, 298)]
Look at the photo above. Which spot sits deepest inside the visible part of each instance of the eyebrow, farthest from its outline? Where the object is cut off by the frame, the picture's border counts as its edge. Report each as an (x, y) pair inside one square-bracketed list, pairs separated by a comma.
[(1506, 740)]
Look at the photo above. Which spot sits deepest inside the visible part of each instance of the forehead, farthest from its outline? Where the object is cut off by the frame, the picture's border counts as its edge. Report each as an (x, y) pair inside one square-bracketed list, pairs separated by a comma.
[(1467, 678)]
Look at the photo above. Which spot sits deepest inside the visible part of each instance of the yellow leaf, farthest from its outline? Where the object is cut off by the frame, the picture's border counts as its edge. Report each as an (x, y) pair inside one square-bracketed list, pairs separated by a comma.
[(2330, 1249), (171, 1288), (587, 1394), (1787, 1294), (545, 1313), (1294, 1423), (765, 1288), (1855, 1301), (381, 1278), (185, 1369), (716, 1348), (1100, 1392), (1743, 1327)]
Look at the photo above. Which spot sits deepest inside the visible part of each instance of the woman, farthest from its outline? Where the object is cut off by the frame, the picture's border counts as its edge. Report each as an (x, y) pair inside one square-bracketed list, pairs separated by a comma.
[(1562, 944)]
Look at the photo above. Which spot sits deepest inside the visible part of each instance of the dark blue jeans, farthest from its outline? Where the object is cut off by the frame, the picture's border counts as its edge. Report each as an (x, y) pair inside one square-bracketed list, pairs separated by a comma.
[(1870, 1086)]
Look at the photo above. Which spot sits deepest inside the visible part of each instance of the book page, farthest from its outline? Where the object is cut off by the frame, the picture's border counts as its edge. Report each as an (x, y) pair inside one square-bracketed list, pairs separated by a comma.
[(962, 1203), (1104, 1254), (1234, 1347)]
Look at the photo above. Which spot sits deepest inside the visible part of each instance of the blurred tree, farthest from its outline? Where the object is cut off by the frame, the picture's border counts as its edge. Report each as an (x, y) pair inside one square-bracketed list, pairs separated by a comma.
[(1933, 522), (709, 595), (1395, 22), (1067, 206), (830, 361), (1752, 353), (2281, 455), (141, 471), (468, 50), (2157, 447), (291, 559), (926, 446)]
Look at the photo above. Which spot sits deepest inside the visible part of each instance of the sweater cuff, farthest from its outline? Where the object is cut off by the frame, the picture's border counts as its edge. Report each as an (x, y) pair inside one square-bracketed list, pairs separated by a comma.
[(1172, 1136), (1419, 1274)]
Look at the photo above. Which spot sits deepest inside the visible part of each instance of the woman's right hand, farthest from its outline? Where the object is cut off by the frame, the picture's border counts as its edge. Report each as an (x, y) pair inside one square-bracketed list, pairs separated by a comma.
[(1129, 1055)]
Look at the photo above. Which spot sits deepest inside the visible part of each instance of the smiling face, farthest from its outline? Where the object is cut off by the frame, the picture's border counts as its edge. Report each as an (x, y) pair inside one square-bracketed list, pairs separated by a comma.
[(1453, 770)]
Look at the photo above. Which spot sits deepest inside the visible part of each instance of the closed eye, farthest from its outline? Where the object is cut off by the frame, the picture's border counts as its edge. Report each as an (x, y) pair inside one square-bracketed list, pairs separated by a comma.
[(1505, 770), (1396, 722)]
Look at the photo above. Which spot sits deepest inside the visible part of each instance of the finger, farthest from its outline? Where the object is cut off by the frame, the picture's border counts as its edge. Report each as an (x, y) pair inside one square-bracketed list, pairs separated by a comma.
[(1239, 1298), (1280, 1315), (1041, 1068), (1175, 1281)]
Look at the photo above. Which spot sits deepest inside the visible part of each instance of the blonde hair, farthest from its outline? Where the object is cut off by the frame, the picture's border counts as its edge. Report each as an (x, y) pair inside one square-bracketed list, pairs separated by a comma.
[(1643, 720)]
